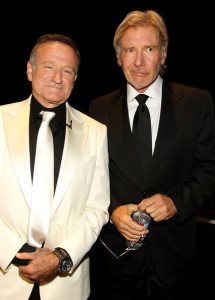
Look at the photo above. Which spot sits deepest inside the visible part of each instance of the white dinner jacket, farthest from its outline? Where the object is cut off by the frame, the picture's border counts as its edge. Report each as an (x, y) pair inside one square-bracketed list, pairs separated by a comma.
[(80, 203)]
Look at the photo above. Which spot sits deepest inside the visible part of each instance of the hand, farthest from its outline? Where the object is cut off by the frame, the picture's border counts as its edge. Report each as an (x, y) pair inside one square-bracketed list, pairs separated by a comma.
[(42, 267), (129, 229), (159, 207)]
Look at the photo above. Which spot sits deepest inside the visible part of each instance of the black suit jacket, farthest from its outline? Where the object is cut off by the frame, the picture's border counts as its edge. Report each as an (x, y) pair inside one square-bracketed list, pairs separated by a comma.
[(183, 167)]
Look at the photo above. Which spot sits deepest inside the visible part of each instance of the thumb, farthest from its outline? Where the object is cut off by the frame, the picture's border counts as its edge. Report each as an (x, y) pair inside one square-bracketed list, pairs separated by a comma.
[(131, 208)]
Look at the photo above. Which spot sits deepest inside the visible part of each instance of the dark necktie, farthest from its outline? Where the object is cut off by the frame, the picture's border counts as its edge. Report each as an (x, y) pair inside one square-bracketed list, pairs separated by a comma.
[(142, 133)]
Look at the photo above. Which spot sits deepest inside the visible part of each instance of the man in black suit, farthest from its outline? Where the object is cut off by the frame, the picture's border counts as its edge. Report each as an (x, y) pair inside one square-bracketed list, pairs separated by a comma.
[(179, 179)]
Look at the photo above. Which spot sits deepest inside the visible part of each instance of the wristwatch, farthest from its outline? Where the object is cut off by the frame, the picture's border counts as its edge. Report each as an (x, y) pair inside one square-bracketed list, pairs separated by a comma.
[(65, 263)]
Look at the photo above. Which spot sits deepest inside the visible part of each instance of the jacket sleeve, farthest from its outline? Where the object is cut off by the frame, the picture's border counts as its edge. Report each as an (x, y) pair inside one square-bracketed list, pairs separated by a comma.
[(192, 194), (80, 238)]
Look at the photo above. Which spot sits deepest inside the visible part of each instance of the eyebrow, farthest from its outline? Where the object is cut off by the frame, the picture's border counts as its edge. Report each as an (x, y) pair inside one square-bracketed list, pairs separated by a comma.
[(52, 62)]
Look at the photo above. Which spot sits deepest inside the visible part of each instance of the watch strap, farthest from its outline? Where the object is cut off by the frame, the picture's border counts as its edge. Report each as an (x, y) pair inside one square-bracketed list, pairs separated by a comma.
[(59, 253)]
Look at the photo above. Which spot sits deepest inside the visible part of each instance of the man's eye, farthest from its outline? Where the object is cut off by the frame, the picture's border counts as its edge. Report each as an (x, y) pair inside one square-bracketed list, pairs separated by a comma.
[(150, 49), (67, 71), (48, 67), (130, 50)]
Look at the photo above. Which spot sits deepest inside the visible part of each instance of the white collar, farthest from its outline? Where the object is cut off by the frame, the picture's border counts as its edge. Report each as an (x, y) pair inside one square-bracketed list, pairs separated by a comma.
[(154, 91)]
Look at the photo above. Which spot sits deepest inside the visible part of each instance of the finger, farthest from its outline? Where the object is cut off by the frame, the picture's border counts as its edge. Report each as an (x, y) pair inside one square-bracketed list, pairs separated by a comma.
[(26, 271), (146, 203), (161, 208), (134, 235), (25, 255), (131, 234), (155, 207), (159, 214), (160, 218)]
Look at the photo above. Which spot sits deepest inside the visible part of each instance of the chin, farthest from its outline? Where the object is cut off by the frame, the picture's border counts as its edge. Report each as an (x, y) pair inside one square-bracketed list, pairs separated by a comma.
[(142, 86), (55, 98)]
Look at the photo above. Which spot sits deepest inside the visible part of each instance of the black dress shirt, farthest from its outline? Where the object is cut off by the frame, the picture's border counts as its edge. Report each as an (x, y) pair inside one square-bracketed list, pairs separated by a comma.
[(57, 124)]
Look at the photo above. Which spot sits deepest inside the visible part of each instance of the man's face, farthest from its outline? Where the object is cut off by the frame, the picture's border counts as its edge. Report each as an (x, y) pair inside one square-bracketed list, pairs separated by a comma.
[(54, 73), (141, 56)]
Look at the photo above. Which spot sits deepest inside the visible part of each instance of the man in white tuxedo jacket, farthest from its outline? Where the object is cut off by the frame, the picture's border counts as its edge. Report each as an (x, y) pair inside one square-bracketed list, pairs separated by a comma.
[(59, 269)]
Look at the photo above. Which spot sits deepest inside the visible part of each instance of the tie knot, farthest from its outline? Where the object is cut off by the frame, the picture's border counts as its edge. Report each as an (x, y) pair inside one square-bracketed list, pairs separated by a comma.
[(47, 116), (141, 98)]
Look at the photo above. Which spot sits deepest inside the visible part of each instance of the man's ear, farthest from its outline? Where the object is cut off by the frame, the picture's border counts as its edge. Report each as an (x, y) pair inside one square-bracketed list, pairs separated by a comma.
[(76, 75), (118, 60), (29, 71), (163, 58)]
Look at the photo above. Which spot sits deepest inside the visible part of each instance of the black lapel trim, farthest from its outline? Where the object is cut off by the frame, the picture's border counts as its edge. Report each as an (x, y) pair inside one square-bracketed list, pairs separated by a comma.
[(167, 128), (122, 131)]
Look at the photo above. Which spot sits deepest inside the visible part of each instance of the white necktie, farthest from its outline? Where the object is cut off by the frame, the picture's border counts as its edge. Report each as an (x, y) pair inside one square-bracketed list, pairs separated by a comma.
[(43, 183)]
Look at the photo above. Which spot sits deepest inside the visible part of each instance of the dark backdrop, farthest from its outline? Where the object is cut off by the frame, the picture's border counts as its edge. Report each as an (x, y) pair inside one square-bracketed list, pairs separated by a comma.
[(190, 55), (190, 61)]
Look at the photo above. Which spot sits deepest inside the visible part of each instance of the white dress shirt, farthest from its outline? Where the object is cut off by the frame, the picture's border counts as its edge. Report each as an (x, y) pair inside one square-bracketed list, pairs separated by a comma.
[(153, 103)]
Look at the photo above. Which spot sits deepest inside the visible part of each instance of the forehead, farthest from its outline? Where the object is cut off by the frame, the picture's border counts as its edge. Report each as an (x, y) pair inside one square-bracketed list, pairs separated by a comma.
[(57, 52), (140, 35)]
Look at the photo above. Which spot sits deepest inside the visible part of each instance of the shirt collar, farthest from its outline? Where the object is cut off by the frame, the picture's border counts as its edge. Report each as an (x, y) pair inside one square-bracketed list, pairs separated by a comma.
[(36, 108), (154, 91)]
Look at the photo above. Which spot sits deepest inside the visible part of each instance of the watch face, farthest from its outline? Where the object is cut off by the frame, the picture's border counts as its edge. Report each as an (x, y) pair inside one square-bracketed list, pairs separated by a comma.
[(65, 265)]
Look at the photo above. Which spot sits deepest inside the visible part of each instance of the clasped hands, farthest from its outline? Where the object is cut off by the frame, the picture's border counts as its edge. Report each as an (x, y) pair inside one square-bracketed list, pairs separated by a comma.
[(160, 207), (43, 265)]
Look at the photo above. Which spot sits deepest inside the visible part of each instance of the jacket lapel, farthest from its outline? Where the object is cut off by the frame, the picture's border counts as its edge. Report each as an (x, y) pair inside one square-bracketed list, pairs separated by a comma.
[(74, 145), (123, 140), (17, 136), (171, 111)]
